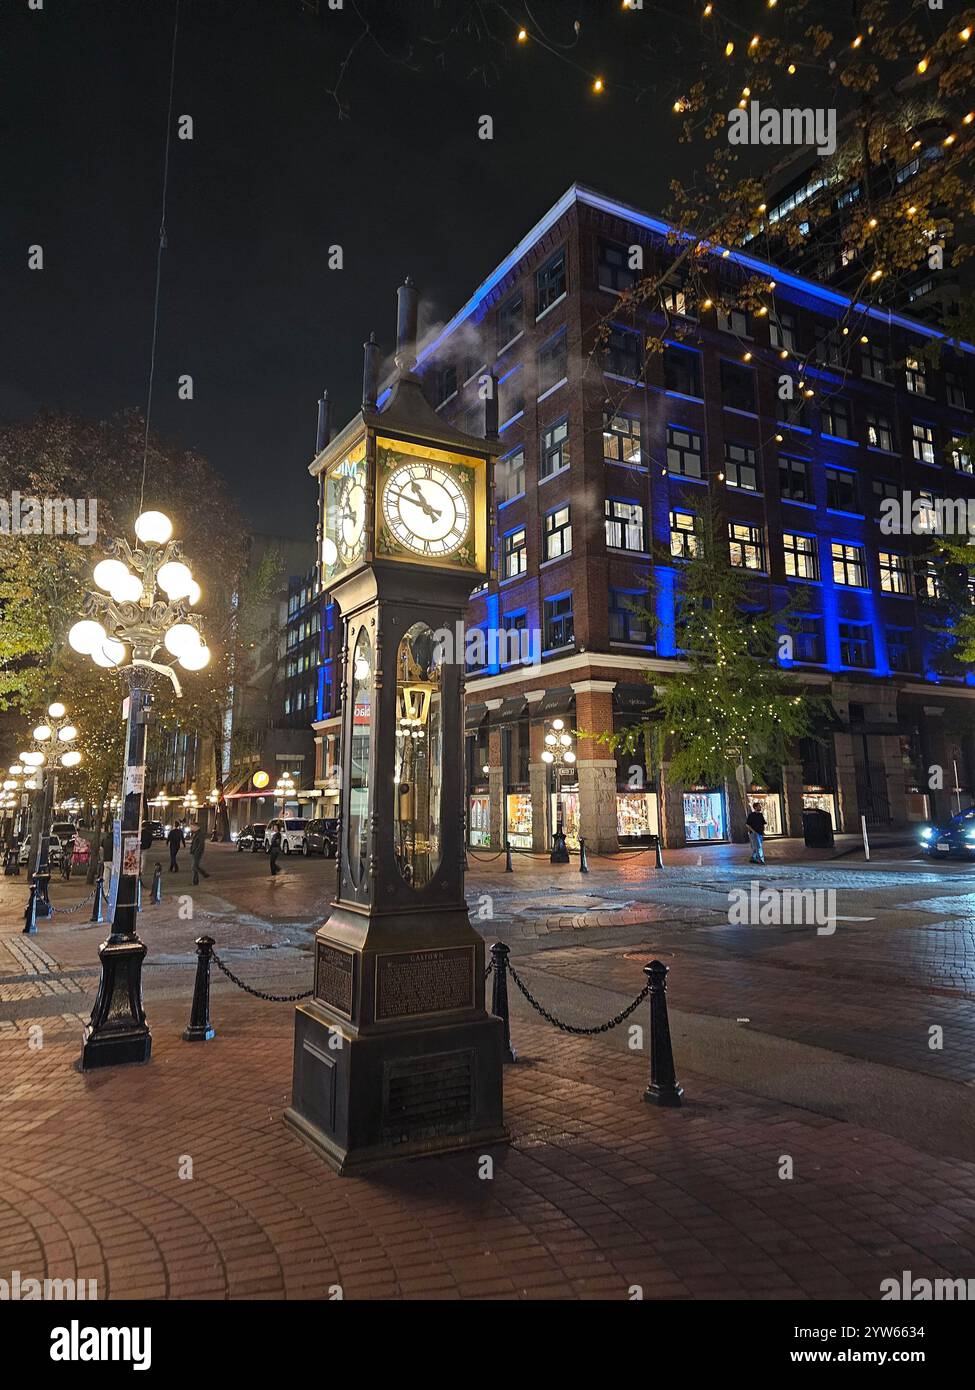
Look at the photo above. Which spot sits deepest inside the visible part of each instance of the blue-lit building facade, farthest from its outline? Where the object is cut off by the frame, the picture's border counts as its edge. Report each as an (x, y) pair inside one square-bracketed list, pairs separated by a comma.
[(609, 457)]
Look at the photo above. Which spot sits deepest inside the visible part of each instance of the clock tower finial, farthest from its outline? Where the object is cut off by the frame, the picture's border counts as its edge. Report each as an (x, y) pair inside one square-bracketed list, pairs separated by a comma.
[(407, 304), (370, 373)]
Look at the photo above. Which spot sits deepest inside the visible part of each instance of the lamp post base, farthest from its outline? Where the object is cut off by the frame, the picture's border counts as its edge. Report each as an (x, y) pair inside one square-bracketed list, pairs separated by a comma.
[(117, 1032), (560, 851)]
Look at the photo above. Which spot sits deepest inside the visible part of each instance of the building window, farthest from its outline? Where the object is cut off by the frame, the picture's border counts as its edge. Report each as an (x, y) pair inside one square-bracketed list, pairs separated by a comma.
[(894, 573), (510, 476), (849, 565), (836, 418), (960, 454), (795, 412), (675, 297), (809, 641), (555, 448), (841, 490), (621, 439), (883, 489), (511, 319), (627, 618), (740, 467), (511, 396), (613, 271), (915, 376), (733, 321), (801, 556), (559, 629), (746, 546), (552, 363), (856, 645), (550, 282), (684, 453), (795, 481), (514, 553), (684, 542), (880, 431), (682, 371), (446, 384), (737, 387), (828, 349), (922, 442), (782, 330), (624, 354), (955, 390), (873, 362), (558, 533), (900, 648), (929, 582), (513, 649), (624, 525)]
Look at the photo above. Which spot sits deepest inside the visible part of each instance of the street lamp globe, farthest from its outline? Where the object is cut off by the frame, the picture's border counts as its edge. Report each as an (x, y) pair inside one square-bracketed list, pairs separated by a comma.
[(153, 528), (181, 637), (548, 757), (196, 658), (42, 733), (86, 635), (194, 593), (67, 733), (107, 574), (70, 759), (569, 757), (175, 579), (109, 654), (56, 711)]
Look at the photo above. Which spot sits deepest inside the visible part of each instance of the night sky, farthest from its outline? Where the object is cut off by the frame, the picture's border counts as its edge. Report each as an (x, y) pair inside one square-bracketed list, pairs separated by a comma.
[(274, 175)]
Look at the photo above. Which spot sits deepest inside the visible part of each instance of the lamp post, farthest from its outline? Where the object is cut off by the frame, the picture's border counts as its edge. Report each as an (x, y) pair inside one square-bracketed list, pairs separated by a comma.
[(558, 754), (52, 746), (142, 604), (285, 788)]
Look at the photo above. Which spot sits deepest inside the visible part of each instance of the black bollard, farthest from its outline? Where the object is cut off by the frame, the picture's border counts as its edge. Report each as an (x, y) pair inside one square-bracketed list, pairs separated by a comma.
[(96, 907), (200, 1029), (138, 894), (657, 854), (157, 883), (499, 997), (508, 868), (583, 857), (664, 1088), (30, 916)]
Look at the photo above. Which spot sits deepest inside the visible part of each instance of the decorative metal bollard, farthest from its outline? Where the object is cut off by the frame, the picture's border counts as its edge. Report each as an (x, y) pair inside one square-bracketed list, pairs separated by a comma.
[(499, 996), (199, 1029), (38, 904), (96, 907), (664, 1088), (157, 883), (658, 856), (508, 866), (583, 857)]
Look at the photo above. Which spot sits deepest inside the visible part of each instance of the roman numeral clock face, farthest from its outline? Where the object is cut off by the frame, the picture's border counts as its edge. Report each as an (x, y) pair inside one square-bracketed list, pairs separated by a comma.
[(427, 509)]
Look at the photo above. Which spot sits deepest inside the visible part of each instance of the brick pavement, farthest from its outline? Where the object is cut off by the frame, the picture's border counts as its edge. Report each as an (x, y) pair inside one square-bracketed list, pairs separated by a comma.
[(597, 1192)]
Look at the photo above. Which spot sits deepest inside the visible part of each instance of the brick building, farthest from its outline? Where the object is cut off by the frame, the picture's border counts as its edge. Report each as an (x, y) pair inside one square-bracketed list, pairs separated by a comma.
[(607, 460)]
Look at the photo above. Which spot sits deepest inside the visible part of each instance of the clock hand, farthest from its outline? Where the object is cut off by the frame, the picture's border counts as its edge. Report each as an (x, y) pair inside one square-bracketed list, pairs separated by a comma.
[(417, 502)]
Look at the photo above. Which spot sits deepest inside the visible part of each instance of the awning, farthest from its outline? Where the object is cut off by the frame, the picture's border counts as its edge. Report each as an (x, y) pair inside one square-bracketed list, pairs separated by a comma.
[(511, 710), (560, 700), (633, 699), (475, 715)]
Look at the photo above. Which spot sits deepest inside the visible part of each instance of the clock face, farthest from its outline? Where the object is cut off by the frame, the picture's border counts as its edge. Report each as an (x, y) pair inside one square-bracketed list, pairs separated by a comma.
[(426, 509), (343, 543), (352, 518)]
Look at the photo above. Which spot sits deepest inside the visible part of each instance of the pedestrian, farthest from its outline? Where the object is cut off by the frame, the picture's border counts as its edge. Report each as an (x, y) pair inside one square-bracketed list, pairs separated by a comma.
[(175, 842), (755, 822), (197, 845), (274, 851)]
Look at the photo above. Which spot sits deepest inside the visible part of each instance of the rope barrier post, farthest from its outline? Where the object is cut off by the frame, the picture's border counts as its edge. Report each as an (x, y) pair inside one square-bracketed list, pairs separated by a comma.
[(200, 1029), (96, 907), (508, 867), (583, 859), (499, 996), (157, 883), (664, 1088)]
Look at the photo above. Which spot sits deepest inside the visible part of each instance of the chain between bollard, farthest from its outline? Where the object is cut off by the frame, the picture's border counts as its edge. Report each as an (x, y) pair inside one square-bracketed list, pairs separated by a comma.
[(75, 907), (259, 993), (572, 1028)]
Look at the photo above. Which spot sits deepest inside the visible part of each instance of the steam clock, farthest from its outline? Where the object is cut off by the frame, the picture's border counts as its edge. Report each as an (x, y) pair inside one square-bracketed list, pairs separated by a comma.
[(395, 1054)]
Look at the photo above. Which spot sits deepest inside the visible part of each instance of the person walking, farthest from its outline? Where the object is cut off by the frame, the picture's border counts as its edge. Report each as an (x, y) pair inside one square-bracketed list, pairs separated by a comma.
[(755, 822), (274, 851), (175, 842), (197, 845)]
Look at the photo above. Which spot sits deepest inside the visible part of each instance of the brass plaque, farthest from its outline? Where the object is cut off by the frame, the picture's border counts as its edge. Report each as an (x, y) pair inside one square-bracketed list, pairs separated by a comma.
[(335, 977), (409, 983)]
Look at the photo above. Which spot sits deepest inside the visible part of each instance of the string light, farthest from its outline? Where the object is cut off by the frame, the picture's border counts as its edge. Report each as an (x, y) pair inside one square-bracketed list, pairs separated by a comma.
[(522, 35), (950, 139), (729, 48), (755, 41), (707, 11), (791, 69), (969, 118), (857, 41), (965, 34), (876, 275), (922, 65), (597, 86)]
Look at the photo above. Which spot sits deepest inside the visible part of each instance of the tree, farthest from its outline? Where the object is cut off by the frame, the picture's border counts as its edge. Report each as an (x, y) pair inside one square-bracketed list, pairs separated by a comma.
[(729, 712)]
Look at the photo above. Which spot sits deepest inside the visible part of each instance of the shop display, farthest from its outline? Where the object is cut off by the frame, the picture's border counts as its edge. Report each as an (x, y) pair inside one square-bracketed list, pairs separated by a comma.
[(520, 820), (770, 805), (636, 815), (820, 801), (479, 820), (570, 816), (704, 816)]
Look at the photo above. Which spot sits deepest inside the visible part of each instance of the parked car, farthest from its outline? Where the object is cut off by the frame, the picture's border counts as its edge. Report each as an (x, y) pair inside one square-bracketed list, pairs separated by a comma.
[(321, 837), (251, 838), (955, 839), (292, 834), (158, 829)]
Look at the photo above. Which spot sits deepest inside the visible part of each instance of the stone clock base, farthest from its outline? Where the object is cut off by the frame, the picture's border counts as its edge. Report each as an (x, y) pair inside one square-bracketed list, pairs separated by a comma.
[(375, 1099)]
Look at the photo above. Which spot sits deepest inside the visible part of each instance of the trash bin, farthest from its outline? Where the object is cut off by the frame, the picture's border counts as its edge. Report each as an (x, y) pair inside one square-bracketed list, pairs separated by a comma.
[(817, 829)]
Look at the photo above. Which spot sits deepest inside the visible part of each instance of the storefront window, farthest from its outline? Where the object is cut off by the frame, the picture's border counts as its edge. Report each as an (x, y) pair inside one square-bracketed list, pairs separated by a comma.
[(636, 815), (770, 805), (704, 816), (359, 761), (820, 800), (519, 820), (479, 820), (569, 800), (418, 772)]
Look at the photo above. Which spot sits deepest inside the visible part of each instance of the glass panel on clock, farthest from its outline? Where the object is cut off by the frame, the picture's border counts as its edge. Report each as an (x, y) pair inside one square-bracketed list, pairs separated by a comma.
[(418, 773), (359, 760)]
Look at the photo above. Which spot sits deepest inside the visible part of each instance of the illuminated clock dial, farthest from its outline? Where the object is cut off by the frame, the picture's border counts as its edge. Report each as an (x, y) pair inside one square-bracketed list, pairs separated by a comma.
[(352, 518), (426, 509)]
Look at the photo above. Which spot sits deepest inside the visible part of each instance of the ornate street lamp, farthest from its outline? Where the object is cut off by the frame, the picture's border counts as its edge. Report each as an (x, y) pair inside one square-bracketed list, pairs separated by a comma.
[(285, 788), (51, 747), (141, 606), (558, 754)]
